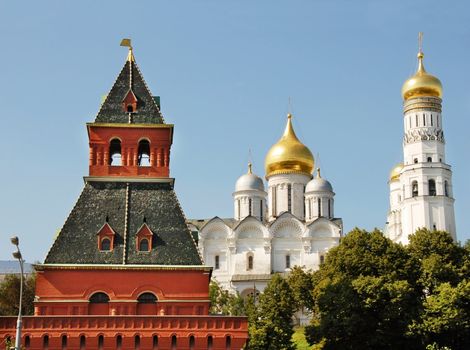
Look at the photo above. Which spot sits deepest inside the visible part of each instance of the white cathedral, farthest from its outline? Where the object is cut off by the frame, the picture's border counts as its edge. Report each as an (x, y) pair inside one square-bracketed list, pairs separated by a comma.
[(293, 222), (290, 223)]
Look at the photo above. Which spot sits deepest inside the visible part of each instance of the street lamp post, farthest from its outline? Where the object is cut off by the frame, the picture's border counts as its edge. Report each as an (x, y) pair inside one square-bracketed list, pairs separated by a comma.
[(17, 255)]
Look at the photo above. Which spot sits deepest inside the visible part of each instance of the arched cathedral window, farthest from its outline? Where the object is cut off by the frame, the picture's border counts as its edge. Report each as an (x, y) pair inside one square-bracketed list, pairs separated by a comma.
[(250, 262)]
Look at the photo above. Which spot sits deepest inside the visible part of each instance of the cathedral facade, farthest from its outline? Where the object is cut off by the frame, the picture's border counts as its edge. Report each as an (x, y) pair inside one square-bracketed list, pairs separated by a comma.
[(421, 193), (290, 222)]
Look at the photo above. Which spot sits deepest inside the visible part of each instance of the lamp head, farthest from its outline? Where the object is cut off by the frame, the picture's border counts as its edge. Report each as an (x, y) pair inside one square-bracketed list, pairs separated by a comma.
[(17, 255), (14, 240)]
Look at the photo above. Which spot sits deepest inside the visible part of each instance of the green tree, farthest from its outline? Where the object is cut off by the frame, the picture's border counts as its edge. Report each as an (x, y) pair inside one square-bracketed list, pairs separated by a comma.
[(441, 260), (224, 302), (271, 323), (365, 295), (444, 320), (10, 292), (300, 282)]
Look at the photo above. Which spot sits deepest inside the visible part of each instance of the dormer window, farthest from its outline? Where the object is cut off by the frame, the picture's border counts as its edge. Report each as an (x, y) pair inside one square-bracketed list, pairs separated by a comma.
[(144, 245), (129, 103), (106, 244), (106, 237), (144, 238)]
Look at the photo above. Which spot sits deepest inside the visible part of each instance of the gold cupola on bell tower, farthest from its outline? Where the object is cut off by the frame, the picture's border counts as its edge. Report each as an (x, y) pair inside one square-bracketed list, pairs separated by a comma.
[(421, 83), (289, 155)]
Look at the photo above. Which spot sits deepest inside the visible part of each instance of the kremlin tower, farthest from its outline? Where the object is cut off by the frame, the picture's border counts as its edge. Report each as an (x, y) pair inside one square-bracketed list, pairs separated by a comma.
[(421, 186), (124, 272)]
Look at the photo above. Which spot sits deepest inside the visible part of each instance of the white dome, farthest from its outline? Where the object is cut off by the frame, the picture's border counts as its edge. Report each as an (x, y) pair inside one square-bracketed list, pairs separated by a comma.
[(249, 182), (319, 184)]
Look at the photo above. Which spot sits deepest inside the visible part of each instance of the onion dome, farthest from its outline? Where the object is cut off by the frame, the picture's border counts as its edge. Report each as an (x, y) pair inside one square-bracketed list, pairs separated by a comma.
[(318, 184), (395, 173), (422, 83), (249, 182), (289, 155)]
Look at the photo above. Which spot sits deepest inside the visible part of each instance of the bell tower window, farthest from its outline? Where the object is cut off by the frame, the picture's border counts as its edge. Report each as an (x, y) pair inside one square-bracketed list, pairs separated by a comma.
[(414, 189), (144, 153), (446, 189), (432, 187), (115, 156)]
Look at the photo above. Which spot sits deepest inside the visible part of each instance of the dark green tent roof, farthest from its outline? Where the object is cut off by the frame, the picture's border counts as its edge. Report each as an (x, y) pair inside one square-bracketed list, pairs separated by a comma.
[(154, 203)]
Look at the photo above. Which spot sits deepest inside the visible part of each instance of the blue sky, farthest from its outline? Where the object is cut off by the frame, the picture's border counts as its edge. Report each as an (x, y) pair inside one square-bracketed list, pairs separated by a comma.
[(225, 71)]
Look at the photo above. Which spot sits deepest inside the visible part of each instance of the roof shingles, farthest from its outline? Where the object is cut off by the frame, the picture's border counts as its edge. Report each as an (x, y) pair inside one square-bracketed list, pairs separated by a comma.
[(100, 201)]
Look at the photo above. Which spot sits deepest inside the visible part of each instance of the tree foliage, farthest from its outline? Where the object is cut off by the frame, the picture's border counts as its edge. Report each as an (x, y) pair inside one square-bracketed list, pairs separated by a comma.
[(365, 295), (10, 292), (372, 293), (301, 285), (270, 322), (224, 302), (444, 320)]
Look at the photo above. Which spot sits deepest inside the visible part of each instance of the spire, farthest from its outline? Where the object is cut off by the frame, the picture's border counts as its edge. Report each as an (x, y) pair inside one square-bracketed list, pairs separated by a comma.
[(420, 56), (130, 90), (289, 132), (318, 173), (250, 170)]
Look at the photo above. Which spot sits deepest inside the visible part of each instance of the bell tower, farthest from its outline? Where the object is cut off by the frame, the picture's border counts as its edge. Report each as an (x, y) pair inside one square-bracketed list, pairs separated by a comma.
[(421, 188), (129, 137)]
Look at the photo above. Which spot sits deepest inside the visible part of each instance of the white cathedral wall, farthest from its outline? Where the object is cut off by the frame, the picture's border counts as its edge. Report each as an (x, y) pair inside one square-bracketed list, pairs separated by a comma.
[(261, 260)]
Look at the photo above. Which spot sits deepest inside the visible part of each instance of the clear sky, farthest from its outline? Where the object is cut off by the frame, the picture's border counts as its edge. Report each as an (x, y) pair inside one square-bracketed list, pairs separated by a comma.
[(225, 71)]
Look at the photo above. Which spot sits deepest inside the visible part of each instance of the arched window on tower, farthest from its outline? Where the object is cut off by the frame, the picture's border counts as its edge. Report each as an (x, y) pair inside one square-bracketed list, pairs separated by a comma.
[(446, 188), (329, 208), (287, 261), (192, 342), (432, 187), (115, 157), (319, 206), (147, 298), (414, 189), (261, 210), (82, 342), (144, 153), (250, 206), (429, 159)]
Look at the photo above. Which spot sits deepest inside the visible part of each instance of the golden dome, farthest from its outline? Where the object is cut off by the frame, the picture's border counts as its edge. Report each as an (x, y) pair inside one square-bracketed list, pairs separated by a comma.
[(289, 155), (422, 83), (395, 173)]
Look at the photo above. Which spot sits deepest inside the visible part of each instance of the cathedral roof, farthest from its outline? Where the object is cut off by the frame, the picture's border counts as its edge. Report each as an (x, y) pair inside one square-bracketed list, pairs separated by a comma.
[(130, 81), (125, 207)]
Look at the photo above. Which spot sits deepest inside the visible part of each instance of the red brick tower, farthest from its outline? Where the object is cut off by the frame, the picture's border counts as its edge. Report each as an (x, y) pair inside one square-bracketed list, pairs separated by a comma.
[(124, 271)]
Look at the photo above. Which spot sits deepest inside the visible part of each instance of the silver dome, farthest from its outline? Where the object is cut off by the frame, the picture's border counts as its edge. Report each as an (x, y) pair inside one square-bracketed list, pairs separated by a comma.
[(249, 182), (319, 184)]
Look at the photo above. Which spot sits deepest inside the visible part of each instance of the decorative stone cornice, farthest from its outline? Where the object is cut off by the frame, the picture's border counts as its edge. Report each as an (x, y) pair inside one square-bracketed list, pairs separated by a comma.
[(428, 134)]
